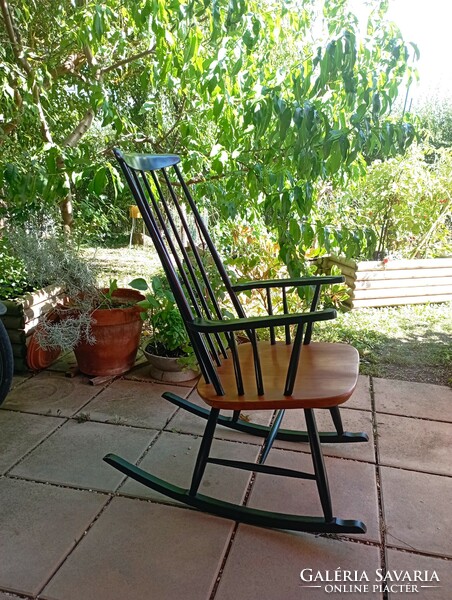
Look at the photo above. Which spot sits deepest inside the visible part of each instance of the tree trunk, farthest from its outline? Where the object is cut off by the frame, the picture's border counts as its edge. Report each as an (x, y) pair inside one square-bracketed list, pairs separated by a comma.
[(66, 207)]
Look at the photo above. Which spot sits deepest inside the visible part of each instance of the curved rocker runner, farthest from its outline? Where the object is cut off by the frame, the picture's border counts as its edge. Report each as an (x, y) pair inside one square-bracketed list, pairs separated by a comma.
[(274, 376)]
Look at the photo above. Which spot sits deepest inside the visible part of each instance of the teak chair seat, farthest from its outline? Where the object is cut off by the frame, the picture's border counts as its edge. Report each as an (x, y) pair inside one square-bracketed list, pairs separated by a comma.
[(268, 375), (326, 377)]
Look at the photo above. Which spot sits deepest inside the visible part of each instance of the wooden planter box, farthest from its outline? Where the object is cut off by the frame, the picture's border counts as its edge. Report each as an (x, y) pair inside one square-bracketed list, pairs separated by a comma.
[(394, 282), (23, 315)]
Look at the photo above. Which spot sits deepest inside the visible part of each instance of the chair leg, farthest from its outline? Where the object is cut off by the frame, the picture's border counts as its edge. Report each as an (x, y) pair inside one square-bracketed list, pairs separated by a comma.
[(235, 416), (272, 434), (203, 453), (337, 420), (319, 465)]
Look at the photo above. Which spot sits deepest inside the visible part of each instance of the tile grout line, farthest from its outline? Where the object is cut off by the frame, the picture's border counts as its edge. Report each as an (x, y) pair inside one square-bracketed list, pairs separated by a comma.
[(27, 454), (244, 502), (76, 544), (110, 495), (65, 421), (140, 460), (232, 538), (393, 414), (217, 581), (383, 555), (17, 595), (343, 537)]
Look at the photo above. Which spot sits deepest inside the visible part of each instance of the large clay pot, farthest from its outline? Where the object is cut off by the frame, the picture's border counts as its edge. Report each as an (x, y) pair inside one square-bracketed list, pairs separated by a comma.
[(117, 332)]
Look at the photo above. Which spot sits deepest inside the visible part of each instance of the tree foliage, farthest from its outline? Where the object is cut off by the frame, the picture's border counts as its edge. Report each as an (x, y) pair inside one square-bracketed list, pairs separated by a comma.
[(407, 200), (263, 100), (435, 116)]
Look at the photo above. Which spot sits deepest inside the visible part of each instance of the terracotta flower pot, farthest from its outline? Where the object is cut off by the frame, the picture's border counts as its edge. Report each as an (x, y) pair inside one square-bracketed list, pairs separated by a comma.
[(117, 332), (40, 358)]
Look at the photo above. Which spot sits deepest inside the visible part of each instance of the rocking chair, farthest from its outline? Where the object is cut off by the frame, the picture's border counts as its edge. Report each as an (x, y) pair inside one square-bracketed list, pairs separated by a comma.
[(268, 375)]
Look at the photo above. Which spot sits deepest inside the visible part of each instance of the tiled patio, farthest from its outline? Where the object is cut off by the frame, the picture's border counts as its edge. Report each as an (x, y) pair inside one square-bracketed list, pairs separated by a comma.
[(73, 528)]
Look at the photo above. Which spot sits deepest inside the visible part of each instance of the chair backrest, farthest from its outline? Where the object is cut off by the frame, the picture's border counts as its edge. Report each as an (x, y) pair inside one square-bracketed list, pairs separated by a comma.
[(161, 195)]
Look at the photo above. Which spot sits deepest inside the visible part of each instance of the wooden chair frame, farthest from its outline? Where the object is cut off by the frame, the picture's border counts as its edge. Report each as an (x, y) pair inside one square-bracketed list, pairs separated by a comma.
[(242, 377)]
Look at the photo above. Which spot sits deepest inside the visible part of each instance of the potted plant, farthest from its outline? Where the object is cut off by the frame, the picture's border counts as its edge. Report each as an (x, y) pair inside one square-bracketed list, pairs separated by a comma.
[(167, 347), (102, 326)]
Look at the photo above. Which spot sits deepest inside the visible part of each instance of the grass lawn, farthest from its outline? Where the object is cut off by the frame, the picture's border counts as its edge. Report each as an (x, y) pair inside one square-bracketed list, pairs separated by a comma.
[(411, 342), (123, 264)]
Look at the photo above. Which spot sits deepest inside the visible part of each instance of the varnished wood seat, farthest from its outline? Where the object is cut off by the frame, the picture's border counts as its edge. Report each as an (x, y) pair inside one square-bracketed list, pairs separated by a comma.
[(326, 377), (271, 375)]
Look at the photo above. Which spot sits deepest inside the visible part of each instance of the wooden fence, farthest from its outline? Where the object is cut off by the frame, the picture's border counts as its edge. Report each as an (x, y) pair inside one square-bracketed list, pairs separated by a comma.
[(394, 282)]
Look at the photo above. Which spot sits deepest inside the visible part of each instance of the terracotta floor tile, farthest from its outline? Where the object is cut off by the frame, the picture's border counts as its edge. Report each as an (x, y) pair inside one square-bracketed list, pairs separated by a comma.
[(267, 565), (51, 393), (415, 444), (73, 455), (352, 486), (140, 550), (20, 433), (406, 561), (353, 420), (19, 378), (173, 457), (133, 403), (39, 525), (417, 510), (360, 398), (423, 400)]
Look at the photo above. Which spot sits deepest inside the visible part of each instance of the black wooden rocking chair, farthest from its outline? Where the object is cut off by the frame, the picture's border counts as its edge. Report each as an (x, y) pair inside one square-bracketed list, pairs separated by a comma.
[(258, 375)]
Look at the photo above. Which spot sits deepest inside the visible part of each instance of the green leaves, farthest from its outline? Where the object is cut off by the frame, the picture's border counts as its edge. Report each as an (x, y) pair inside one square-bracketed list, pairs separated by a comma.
[(285, 120), (264, 119), (139, 284), (99, 181)]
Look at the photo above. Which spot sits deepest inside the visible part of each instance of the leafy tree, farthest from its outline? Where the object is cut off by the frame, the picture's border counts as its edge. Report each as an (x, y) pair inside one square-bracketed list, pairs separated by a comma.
[(264, 100)]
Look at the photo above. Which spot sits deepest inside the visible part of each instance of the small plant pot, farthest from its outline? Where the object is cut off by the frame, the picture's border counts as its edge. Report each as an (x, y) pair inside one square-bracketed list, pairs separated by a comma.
[(166, 368)]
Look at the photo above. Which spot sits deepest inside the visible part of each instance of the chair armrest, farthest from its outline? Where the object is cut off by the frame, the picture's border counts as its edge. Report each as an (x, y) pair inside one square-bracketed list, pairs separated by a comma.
[(226, 325), (296, 282)]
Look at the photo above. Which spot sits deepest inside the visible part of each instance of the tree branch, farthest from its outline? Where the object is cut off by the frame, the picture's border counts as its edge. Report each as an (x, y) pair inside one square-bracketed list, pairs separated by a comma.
[(70, 66), (202, 179), (22, 61), (15, 42), (79, 131), (127, 60), (428, 235), (179, 116)]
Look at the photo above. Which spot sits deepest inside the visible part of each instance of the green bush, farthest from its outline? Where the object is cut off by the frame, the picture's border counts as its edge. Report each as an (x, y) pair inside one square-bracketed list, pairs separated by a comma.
[(435, 117), (407, 201), (13, 277)]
